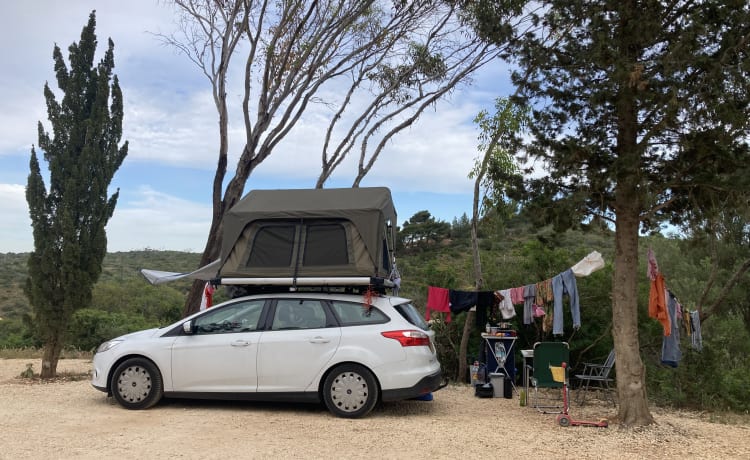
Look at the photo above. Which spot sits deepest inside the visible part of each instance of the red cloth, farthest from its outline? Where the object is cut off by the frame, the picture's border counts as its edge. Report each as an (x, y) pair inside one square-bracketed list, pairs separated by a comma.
[(207, 297), (438, 300)]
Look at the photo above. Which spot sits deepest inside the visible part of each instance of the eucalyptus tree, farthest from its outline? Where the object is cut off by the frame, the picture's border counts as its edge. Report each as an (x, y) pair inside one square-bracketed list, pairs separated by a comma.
[(375, 65), (640, 114), (495, 172), (69, 217)]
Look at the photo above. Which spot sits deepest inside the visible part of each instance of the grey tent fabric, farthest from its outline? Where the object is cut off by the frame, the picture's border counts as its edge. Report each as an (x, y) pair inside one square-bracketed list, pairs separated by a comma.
[(303, 232), (205, 273)]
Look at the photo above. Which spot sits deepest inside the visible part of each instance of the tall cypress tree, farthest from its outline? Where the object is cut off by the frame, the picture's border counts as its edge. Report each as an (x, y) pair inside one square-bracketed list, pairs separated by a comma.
[(68, 219)]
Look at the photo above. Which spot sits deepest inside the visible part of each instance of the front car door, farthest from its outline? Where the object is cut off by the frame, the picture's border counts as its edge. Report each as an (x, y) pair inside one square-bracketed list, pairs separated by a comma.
[(220, 355)]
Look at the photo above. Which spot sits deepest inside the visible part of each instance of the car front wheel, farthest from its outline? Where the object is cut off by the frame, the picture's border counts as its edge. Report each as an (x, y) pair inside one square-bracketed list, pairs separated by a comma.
[(136, 384), (350, 391)]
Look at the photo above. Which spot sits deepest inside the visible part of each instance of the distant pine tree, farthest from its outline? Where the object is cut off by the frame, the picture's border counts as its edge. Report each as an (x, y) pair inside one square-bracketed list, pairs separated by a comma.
[(68, 219)]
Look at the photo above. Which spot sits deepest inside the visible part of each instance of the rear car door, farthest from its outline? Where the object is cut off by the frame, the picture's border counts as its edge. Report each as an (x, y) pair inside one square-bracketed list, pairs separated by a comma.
[(220, 354), (302, 339)]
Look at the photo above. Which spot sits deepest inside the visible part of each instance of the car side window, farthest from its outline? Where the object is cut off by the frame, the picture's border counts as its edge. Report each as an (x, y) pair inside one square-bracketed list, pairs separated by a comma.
[(238, 317), (298, 314), (350, 313)]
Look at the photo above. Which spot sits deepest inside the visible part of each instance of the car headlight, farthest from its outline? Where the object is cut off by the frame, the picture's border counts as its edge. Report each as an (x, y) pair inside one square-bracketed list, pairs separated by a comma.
[(108, 345)]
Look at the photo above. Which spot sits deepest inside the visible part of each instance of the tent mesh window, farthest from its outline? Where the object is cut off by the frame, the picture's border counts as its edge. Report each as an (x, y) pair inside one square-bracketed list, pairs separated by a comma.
[(325, 244), (273, 247)]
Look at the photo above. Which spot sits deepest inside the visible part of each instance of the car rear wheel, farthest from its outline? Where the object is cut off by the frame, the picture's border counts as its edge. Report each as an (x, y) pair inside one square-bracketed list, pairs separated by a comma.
[(136, 384), (350, 391)]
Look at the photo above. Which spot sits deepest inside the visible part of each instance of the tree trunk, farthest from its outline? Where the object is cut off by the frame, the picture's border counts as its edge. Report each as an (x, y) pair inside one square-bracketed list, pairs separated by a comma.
[(631, 373), (50, 356), (210, 253), (478, 278)]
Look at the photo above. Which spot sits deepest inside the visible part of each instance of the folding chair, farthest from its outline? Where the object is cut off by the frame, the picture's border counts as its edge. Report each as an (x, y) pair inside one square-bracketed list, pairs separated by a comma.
[(547, 354), (596, 377)]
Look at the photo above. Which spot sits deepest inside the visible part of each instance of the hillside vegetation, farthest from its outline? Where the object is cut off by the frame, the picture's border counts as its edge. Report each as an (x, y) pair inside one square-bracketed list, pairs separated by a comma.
[(512, 255)]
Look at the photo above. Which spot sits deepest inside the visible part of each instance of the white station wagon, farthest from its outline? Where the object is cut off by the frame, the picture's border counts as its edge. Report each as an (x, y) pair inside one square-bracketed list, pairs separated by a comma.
[(348, 351)]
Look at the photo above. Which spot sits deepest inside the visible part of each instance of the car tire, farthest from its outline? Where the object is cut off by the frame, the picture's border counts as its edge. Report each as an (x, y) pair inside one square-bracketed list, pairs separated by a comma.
[(136, 384), (350, 391)]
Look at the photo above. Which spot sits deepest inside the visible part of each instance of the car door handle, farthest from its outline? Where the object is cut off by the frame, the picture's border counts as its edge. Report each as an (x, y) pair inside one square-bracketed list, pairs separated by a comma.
[(319, 339), (240, 343)]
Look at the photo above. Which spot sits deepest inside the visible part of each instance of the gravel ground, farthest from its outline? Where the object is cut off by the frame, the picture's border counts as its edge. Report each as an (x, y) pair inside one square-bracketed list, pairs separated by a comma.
[(68, 418)]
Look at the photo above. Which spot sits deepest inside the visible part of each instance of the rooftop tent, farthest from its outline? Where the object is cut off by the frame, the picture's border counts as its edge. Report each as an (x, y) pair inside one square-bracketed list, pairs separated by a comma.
[(309, 233)]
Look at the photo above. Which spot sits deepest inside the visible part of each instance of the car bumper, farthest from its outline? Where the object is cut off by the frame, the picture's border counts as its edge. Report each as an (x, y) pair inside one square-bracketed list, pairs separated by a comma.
[(426, 385)]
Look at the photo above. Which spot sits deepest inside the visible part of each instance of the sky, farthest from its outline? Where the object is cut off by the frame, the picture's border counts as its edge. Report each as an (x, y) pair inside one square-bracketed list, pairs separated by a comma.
[(171, 125)]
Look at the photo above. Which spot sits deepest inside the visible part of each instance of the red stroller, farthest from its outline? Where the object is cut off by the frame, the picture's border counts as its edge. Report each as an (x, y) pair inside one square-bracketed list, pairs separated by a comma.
[(559, 374)]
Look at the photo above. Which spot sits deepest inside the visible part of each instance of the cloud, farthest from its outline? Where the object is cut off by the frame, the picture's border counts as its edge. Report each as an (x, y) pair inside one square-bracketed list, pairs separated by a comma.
[(155, 220), (144, 219), (15, 224)]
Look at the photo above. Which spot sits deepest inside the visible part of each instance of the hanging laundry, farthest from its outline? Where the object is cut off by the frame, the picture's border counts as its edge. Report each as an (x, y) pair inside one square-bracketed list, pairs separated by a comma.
[(395, 277), (653, 268), (670, 346), (529, 294), (589, 264), (485, 304), (686, 322), (505, 305), (657, 303), (547, 321), (565, 283), (438, 300), (462, 301), (544, 292), (207, 297), (696, 339), (516, 295)]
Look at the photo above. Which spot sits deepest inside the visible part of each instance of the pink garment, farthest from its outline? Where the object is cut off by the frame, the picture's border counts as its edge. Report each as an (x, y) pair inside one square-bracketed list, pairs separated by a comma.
[(653, 267), (516, 295), (438, 299)]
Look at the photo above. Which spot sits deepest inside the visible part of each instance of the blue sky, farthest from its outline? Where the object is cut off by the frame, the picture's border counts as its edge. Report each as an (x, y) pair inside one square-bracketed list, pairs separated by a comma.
[(171, 125)]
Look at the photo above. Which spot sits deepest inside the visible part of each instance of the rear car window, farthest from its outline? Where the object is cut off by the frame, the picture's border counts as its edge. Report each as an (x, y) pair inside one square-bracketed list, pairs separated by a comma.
[(350, 313), (411, 314)]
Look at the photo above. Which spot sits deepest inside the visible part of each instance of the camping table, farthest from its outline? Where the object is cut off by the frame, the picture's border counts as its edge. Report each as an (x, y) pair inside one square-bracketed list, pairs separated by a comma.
[(509, 366)]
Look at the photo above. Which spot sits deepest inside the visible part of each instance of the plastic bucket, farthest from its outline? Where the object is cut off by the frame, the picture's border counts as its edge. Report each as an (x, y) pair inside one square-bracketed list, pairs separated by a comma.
[(497, 379)]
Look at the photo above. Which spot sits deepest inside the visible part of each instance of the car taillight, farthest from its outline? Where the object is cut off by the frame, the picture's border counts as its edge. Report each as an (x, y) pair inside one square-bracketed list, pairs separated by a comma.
[(409, 338)]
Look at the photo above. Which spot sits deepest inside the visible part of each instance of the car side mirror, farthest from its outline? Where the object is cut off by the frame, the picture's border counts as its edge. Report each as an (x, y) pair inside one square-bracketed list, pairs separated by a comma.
[(187, 327)]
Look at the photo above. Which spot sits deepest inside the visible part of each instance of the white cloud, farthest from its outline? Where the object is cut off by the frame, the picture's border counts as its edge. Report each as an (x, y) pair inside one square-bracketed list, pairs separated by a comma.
[(15, 224), (151, 219), (156, 220)]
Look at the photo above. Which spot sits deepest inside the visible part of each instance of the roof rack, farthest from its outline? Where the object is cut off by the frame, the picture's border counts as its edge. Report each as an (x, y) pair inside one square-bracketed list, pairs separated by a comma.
[(360, 284)]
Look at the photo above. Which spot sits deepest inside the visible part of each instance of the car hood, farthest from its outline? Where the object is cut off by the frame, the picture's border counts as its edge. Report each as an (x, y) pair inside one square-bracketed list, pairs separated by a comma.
[(141, 334)]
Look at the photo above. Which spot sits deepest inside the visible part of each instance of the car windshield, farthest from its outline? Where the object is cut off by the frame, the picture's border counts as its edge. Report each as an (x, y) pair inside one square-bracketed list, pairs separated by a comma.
[(412, 315)]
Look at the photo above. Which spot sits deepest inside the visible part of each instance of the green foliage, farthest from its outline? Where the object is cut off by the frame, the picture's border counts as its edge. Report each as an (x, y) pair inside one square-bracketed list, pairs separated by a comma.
[(715, 377), (69, 217), (15, 334), (89, 328), (423, 230), (461, 227)]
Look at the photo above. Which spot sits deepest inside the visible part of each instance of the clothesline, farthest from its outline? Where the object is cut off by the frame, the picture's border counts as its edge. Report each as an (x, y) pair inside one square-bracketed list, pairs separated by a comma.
[(533, 297)]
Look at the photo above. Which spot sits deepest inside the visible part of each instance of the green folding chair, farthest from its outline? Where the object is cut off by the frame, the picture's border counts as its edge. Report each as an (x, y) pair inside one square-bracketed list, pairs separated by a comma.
[(547, 354)]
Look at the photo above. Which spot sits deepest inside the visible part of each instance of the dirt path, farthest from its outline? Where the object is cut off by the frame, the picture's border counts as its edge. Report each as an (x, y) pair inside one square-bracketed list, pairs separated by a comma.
[(70, 419)]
